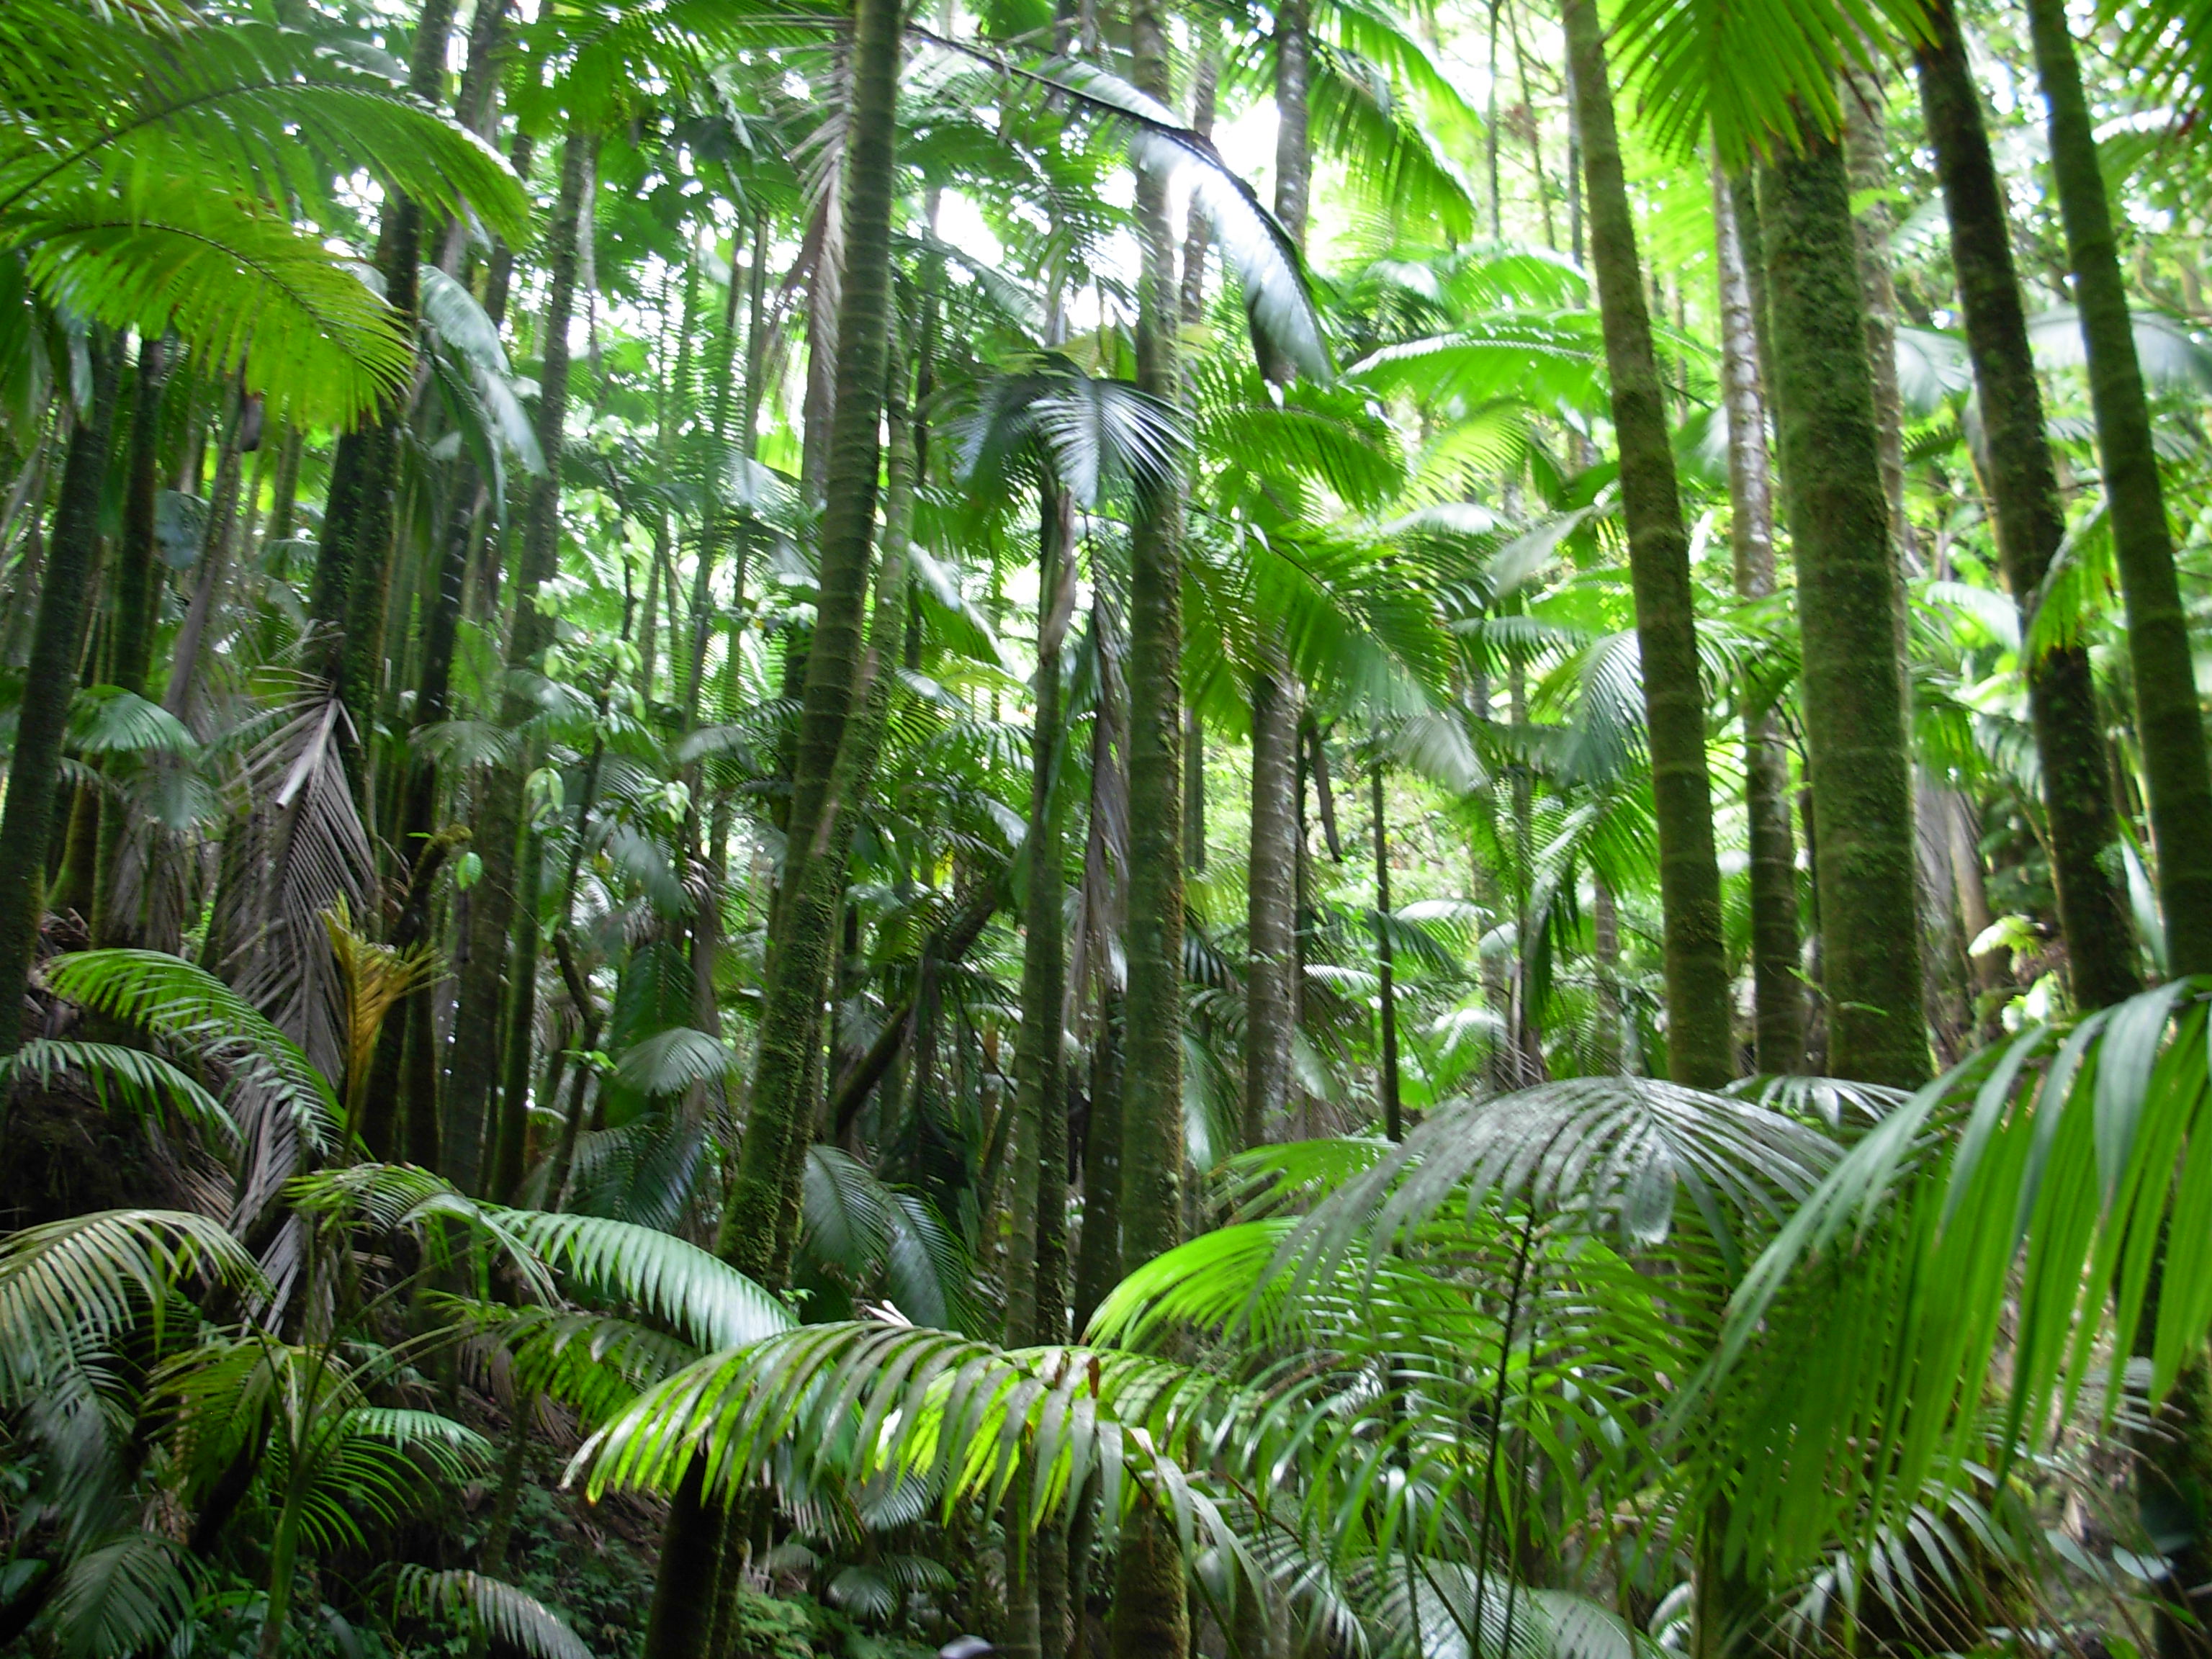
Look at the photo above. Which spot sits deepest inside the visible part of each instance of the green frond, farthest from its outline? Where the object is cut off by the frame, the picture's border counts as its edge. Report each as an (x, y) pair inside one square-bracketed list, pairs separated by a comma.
[(510, 1616), (247, 292), (187, 1005), (697, 1294), (86, 1277), (128, 1078)]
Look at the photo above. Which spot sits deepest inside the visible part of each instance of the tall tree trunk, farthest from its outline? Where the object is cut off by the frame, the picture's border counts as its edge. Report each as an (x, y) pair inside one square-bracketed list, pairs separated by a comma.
[(353, 570), (132, 601), (2031, 524), (1866, 162), (1700, 1050), (1036, 1284), (1865, 867), (1778, 1007), (49, 683), (2168, 722), (475, 1052), (1385, 966), (680, 1620), (1270, 919), (1151, 1616)]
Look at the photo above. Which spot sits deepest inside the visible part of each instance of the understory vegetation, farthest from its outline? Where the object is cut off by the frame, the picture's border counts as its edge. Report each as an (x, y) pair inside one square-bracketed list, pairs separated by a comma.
[(1334, 829)]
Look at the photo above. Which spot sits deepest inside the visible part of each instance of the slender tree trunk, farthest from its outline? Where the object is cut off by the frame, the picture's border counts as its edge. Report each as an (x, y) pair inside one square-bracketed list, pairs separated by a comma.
[(1700, 1050), (782, 1116), (1152, 1615), (1779, 1011), (1271, 880), (476, 1053), (1866, 160), (1385, 966), (1865, 866), (800, 964), (49, 684), (1038, 1067), (131, 602), (353, 572), (2031, 524), (2169, 724)]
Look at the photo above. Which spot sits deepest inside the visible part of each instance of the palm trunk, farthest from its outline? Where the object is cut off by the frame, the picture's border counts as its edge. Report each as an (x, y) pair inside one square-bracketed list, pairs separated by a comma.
[(2031, 524), (1866, 162), (1036, 1269), (49, 684), (681, 1620), (799, 964), (1152, 1615), (1699, 1051), (1039, 1072), (1778, 1007), (476, 1053), (131, 601), (2168, 722), (1270, 890), (353, 574), (1385, 967), (1865, 867)]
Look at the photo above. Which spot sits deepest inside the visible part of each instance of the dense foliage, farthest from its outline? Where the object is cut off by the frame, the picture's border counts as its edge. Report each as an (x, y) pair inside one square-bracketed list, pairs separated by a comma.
[(1296, 829)]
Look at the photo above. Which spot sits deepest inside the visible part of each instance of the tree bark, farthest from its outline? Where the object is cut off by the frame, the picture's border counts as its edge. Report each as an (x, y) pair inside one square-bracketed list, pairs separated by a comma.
[(1779, 993), (1393, 1127), (1865, 866), (353, 570), (2169, 724), (1700, 1050), (1271, 881), (2030, 524), (476, 1053), (1151, 1617), (132, 602), (49, 683)]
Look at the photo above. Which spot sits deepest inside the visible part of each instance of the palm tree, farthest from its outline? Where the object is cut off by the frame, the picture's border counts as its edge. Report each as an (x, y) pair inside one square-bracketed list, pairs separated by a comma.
[(2030, 523), (1847, 605), (1700, 1047), (1777, 988), (2168, 720)]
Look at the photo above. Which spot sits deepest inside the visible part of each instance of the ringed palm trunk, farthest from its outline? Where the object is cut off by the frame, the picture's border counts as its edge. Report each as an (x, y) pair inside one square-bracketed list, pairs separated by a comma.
[(2172, 1476), (1151, 1618), (1271, 894), (353, 570), (1698, 1045), (2031, 523), (1037, 1294), (1778, 995), (2168, 722), (131, 604), (1864, 862), (476, 1054), (681, 1620), (49, 683)]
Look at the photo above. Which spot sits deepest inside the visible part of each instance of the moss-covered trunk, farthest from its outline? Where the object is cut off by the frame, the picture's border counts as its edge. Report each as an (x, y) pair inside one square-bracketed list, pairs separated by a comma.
[(353, 566), (1698, 1047), (1151, 1617), (1777, 992), (131, 600), (1271, 887), (1853, 681), (2031, 524), (49, 683), (498, 826), (2169, 725)]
